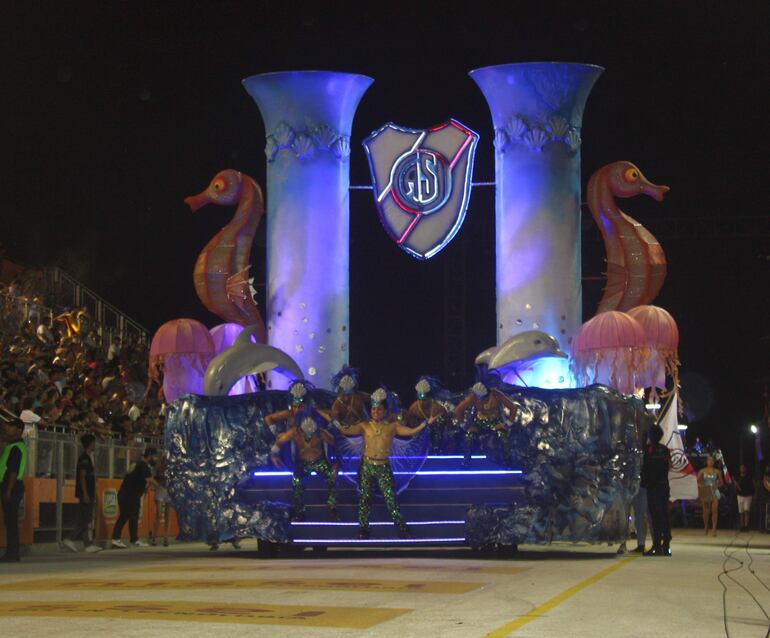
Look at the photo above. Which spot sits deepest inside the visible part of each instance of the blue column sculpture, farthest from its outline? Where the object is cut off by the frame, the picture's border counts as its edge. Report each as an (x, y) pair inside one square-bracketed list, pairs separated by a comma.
[(537, 112), (308, 117)]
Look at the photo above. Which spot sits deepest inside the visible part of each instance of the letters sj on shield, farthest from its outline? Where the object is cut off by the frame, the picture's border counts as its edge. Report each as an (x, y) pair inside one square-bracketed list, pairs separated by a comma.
[(422, 183)]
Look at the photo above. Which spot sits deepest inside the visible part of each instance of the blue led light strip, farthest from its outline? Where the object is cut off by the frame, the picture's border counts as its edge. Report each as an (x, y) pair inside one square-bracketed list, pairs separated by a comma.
[(419, 473), (372, 541), (381, 523)]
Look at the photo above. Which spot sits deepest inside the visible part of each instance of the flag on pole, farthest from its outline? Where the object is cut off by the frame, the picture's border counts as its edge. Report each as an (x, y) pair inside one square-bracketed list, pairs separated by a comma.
[(681, 477)]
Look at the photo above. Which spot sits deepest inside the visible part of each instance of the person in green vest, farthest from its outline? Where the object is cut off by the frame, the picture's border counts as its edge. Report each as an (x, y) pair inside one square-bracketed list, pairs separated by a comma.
[(13, 464)]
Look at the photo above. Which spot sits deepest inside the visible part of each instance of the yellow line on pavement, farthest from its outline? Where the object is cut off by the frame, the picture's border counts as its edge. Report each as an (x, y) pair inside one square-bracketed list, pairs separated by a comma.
[(548, 605)]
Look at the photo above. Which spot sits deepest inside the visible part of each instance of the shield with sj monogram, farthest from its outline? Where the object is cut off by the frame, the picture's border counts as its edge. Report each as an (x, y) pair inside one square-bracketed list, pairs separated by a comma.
[(422, 183)]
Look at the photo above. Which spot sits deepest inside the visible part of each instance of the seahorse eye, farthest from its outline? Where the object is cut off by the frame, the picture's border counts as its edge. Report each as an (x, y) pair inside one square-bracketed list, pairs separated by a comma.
[(219, 185), (631, 175)]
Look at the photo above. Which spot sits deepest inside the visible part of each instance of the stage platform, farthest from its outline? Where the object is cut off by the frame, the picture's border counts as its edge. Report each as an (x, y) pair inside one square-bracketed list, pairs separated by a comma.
[(434, 503)]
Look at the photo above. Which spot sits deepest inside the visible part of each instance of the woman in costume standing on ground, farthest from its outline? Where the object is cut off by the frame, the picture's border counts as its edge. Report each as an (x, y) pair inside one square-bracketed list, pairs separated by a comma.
[(709, 482)]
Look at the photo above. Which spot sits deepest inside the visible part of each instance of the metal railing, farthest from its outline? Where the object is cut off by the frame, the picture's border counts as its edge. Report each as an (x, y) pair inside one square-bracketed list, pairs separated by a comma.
[(109, 322), (18, 310), (54, 455)]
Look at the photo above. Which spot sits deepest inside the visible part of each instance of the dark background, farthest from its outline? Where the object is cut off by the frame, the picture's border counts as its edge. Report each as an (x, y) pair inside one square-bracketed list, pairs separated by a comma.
[(111, 113)]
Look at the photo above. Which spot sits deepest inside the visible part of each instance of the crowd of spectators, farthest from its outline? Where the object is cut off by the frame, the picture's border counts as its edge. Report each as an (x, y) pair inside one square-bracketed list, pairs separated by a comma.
[(72, 382)]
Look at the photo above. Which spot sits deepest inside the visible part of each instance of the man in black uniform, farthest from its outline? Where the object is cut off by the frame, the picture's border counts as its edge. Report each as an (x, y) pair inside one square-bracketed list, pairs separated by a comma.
[(655, 466), (130, 498), (13, 465), (85, 490)]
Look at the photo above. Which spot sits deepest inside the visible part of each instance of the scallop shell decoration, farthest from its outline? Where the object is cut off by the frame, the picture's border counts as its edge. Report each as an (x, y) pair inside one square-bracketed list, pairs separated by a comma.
[(557, 126), (303, 146), (271, 148), (341, 147), (573, 139), (324, 136), (516, 127), (283, 135), (536, 138), (501, 139)]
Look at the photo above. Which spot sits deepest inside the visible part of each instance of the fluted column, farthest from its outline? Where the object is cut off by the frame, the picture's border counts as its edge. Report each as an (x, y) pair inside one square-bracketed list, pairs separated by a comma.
[(537, 112), (308, 117)]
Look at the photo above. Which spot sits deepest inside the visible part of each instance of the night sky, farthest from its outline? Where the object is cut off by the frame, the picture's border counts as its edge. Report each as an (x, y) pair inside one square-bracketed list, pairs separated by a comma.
[(112, 113)]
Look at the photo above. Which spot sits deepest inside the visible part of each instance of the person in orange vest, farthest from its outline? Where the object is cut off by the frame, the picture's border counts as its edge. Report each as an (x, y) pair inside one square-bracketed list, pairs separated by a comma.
[(13, 465)]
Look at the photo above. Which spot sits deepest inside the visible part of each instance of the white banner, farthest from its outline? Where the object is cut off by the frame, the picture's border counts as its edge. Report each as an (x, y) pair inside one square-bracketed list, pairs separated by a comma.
[(681, 478)]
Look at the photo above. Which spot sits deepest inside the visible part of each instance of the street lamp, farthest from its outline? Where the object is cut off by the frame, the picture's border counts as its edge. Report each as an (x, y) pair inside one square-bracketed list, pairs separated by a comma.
[(755, 431), (757, 452)]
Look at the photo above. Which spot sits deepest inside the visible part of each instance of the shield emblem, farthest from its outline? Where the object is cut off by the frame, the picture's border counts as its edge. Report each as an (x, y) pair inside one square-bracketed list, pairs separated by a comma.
[(422, 183)]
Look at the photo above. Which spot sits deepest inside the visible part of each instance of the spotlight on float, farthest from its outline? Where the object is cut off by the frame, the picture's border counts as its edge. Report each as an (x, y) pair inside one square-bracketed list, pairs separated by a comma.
[(653, 406), (754, 429), (681, 427)]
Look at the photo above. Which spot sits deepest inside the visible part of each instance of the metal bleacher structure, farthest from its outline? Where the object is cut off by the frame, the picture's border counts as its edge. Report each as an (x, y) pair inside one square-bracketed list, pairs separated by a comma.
[(434, 504), (108, 320), (53, 451)]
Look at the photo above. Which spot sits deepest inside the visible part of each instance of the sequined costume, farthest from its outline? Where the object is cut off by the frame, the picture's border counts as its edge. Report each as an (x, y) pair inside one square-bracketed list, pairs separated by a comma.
[(437, 428), (378, 433), (369, 473), (301, 470), (437, 434), (488, 417), (426, 407), (492, 426), (309, 440)]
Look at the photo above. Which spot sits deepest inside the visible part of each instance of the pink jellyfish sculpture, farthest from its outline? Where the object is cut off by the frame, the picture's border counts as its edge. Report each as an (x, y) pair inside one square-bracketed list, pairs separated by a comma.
[(181, 349), (610, 349), (224, 335), (663, 340)]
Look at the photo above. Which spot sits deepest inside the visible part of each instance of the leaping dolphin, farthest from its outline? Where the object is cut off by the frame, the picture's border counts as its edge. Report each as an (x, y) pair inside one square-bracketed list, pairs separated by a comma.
[(520, 349), (245, 358)]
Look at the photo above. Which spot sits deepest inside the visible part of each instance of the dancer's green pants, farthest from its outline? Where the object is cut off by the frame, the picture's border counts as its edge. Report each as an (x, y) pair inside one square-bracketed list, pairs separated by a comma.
[(303, 469), (368, 474), (489, 425)]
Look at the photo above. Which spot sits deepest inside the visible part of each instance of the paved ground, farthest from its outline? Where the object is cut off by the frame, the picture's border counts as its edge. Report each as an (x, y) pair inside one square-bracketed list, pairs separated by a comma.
[(561, 590)]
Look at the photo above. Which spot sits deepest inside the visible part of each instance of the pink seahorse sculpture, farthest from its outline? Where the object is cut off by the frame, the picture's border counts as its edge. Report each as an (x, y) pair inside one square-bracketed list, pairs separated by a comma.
[(636, 263), (221, 273)]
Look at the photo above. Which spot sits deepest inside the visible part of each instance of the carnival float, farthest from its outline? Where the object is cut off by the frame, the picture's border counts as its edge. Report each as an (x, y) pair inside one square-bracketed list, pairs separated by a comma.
[(268, 433)]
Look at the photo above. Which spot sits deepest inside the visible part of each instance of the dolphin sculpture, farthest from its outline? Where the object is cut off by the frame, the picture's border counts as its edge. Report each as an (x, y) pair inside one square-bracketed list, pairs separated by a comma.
[(244, 358), (521, 349)]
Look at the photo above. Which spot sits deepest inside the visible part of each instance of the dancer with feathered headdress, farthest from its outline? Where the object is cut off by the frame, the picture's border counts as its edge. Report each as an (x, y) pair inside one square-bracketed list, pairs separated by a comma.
[(488, 415), (379, 432), (299, 392), (314, 446), (426, 406), (350, 405)]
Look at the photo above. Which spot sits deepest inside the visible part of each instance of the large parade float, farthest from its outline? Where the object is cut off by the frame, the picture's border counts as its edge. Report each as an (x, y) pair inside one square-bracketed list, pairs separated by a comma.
[(269, 434)]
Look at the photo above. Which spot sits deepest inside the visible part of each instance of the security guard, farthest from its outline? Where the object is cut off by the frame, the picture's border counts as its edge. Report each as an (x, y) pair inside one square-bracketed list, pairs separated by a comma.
[(13, 464)]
